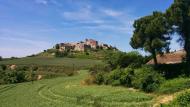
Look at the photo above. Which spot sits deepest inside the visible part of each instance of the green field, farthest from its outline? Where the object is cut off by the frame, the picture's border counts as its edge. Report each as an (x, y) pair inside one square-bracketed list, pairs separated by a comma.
[(68, 92), (51, 61)]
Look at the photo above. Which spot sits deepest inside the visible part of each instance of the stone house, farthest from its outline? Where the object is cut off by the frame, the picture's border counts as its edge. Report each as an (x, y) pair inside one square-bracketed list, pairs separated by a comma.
[(92, 43), (81, 47)]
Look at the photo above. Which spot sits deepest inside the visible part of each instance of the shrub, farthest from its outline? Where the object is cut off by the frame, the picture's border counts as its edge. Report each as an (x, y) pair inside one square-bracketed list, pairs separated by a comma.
[(127, 77), (3, 67), (99, 78), (122, 59), (1, 58), (174, 85), (15, 77), (147, 79), (184, 99), (113, 76), (61, 54), (99, 68), (115, 83)]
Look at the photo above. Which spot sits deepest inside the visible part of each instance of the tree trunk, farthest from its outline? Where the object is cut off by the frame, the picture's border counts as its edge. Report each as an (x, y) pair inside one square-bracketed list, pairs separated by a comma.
[(154, 57), (187, 49)]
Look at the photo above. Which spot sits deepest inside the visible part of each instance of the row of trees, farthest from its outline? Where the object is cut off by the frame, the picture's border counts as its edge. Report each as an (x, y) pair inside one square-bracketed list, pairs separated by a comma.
[(153, 33)]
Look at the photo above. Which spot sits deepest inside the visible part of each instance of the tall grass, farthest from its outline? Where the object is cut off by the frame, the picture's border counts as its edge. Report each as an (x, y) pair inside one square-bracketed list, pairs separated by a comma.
[(174, 85)]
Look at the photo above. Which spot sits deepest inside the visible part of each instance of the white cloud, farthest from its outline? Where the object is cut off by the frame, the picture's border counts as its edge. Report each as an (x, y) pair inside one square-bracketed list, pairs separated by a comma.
[(44, 2), (79, 15), (112, 13)]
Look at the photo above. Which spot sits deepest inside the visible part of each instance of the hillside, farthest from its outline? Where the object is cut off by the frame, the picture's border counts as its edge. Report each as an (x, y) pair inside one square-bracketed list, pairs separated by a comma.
[(69, 92), (51, 61), (88, 49)]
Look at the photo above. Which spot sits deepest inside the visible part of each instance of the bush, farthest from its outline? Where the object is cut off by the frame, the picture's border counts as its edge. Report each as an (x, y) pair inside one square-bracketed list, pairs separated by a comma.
[(99, 68), (115, 83), (184, 99), (15, 77), (127, 77), (147, 79), (122, 59), (3, 67), (1, 58), (113, 76), (61, 54), (99, 78), (174, 85)]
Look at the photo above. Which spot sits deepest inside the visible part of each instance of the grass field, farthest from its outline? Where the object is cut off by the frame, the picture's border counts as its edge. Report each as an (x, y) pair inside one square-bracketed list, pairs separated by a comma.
[(68, 92), (174, 85), (51, 61)]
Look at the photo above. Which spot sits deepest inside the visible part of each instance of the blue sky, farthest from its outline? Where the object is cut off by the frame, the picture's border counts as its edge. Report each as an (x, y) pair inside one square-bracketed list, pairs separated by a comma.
[(31, 26)]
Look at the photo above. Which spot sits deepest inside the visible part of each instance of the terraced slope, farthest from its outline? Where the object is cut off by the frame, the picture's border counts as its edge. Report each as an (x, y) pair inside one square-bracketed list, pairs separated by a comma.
[(68, 92)]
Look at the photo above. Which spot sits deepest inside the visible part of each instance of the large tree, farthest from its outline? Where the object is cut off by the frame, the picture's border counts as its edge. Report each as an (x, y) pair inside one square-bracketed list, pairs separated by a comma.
[(179, 18), (150, 34)]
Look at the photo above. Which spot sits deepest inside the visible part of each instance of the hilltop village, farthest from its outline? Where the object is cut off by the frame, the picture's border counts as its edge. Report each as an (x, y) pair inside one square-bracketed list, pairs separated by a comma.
[(88, 44)]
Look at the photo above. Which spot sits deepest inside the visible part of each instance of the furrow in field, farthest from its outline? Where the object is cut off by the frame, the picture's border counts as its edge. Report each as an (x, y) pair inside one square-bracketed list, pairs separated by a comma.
[(6, 88), (46, 97)]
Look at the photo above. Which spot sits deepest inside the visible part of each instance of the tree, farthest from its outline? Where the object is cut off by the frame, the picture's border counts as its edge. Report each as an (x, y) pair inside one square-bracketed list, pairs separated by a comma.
[(178, 15), (57, 46), (33, 72), (122, 59), (1, 58), (150, 34)]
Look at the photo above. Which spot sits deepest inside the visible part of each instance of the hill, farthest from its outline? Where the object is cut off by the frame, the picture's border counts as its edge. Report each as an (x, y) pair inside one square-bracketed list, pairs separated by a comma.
[(69, 92), (88, 49)]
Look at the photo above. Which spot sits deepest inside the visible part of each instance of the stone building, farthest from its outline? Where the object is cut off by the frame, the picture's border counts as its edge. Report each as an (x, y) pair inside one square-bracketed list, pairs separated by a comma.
[(92, 43), (83, 45)]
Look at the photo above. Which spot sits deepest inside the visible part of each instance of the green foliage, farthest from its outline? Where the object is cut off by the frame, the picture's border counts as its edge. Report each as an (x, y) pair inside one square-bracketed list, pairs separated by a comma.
[(57, 46), (15, 77), (122, 59), (150, 33), (178, 15), (61, 54), (98, 68), (147, 79), (99, 78), (174, 85), (113, 77), (184, 99), (51, 51), (3, 67), (48, 61), (1, 58), (127, 77)]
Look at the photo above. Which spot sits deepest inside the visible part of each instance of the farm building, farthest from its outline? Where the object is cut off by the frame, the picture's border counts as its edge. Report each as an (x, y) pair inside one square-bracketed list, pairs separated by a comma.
[(169, 58)]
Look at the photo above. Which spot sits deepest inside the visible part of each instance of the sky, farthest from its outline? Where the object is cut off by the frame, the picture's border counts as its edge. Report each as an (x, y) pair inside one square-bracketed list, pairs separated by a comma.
[(31, 26)]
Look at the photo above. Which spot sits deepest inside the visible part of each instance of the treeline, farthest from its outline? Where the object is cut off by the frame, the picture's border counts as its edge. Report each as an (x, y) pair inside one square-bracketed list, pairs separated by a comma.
[(126, 69), (17, 75), (153, 33)]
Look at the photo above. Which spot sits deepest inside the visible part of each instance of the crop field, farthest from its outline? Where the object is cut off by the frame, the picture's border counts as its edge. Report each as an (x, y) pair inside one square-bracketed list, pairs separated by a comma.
[(40, 61), (69, 92)]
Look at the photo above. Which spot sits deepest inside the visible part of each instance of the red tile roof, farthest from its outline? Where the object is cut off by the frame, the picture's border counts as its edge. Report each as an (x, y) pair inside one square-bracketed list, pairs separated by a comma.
[(169, 58)]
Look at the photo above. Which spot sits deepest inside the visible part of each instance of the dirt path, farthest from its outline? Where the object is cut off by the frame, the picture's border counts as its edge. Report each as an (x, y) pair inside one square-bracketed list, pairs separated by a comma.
[(164, 99)]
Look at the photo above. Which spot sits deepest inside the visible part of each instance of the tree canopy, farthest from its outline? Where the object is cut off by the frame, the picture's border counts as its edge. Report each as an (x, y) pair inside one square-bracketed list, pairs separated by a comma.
[(150, 34), (178, 15)]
